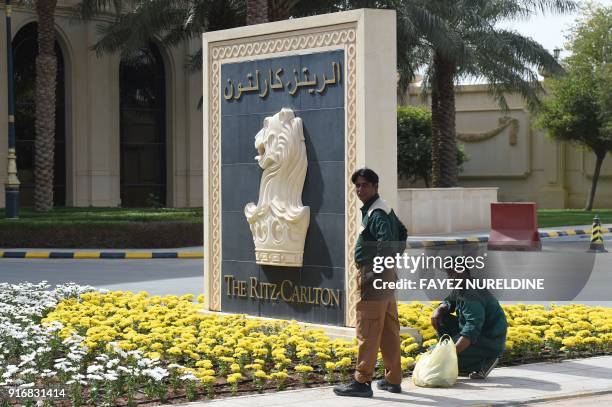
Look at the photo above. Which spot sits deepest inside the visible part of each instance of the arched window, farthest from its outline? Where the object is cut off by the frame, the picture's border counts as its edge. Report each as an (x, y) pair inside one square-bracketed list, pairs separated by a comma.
[(142, 86), (25, 49)]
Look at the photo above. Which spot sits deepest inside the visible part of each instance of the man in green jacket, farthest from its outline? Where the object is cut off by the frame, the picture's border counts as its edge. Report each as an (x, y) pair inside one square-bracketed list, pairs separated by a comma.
[(377, 318), (478, 329)]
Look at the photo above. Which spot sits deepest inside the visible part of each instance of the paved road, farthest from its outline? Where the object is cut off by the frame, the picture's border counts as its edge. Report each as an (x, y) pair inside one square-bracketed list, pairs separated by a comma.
[(158, 277), (178, 276), (568, 271)]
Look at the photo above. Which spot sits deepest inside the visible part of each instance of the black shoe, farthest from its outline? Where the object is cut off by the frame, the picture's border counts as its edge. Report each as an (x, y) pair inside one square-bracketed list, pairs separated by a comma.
[(354, 389), (486, 368), (391, 388)]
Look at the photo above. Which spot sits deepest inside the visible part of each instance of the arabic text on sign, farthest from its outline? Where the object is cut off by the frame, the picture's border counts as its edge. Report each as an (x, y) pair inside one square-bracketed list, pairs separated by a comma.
[(273, 81)]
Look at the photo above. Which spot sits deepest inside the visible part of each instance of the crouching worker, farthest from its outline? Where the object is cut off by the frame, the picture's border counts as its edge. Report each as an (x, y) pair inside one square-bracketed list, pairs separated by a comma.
[(478, 328)]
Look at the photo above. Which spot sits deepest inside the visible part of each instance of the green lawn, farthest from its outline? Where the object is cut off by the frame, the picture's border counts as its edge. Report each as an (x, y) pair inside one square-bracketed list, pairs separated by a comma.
[(570, 217), (118, 216), (104, 216)]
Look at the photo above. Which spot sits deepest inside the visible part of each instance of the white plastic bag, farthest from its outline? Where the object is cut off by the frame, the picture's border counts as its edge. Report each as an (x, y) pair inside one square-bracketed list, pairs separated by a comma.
[(437, 368)]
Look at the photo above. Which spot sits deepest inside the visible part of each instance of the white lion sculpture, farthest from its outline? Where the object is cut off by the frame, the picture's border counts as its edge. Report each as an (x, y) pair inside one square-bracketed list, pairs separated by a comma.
[(279, 221)]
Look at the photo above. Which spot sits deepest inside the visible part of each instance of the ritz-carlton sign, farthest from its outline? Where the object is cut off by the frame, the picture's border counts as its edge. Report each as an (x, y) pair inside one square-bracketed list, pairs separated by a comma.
[(274, 83), (291, 110), (286, 291)]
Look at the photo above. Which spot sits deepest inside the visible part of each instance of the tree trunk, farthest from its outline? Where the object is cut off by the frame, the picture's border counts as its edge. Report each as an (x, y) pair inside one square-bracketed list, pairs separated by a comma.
[(435, 134), (598, 163), (443, 121), (256, 11), (46, 71)]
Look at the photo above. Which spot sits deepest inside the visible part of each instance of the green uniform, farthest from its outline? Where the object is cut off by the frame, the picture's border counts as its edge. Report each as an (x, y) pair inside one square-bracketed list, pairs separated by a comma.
[(481, 319), (380, 228)]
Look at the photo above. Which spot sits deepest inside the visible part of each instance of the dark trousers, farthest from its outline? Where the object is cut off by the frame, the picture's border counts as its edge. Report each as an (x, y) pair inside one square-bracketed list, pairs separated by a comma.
[(474, 356)]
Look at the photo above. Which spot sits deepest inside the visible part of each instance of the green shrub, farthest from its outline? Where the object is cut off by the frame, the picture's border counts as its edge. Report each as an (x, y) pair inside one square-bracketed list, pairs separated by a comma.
[(414, 144)]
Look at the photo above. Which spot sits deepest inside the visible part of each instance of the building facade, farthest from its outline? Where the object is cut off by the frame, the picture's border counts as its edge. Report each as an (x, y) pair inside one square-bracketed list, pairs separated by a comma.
[(128, 130), (506, 150)]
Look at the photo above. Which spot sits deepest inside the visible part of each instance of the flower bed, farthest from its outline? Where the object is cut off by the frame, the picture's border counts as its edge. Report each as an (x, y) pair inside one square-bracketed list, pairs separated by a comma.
[(120, 348), (535, 332)]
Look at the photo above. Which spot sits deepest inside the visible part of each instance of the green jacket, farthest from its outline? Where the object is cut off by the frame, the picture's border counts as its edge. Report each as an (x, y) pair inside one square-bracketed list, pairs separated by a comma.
[(481, 319), (377, 227)]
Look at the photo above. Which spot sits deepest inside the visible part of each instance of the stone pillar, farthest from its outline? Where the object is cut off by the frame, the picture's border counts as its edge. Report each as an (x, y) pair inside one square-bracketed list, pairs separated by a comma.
[(337, 73)]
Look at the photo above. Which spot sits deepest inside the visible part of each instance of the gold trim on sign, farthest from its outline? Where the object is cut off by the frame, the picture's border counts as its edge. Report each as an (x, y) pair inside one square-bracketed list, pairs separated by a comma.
[(353, 294), (343, 36)]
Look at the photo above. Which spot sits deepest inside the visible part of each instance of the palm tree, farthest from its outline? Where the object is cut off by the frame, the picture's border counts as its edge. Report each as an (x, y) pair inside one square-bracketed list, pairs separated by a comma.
[(137, 21), (256, 11), (448, 39), (46, 71), (453, 39)]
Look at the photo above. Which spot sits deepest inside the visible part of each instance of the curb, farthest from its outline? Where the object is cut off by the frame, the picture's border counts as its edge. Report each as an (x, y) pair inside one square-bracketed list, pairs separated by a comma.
[(417, 244), (126, 255), (570, 232), (448, 242)]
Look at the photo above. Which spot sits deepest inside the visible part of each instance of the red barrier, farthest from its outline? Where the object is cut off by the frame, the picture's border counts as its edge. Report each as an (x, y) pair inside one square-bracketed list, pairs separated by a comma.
[(514, 226)]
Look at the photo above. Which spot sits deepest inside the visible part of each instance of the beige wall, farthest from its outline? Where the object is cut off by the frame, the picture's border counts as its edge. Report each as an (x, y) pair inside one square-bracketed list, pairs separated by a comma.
[(92, 121), (533, 169), (526, 166)]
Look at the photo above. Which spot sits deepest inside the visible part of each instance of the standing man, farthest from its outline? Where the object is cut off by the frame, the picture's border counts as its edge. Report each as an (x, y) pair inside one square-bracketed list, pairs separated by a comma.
[(377, 320)]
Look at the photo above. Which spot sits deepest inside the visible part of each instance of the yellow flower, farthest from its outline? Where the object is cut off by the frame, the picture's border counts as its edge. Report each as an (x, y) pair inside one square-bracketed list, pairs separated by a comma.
[(207, 379), (407, 362), (234, 378), (303, 369), (279, 376), (344, 362)]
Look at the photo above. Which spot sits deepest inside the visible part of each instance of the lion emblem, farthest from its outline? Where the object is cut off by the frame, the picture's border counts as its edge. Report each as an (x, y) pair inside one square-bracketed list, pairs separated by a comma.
[(279, 221)]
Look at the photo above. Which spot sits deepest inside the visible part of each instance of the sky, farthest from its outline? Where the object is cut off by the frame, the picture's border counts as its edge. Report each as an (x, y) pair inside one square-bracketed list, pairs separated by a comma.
[(550, 30)]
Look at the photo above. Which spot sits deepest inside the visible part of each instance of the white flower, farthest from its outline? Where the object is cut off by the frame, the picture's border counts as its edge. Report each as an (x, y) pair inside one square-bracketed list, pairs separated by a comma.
[(188, 376), (125, 369), (94, 368), (110, 376), (157, 373), (10, 370), (112, 363), (25, 359)]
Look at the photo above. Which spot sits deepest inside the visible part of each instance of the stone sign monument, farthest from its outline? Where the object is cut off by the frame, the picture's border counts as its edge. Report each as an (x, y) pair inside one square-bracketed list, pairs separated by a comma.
[(292, 109)]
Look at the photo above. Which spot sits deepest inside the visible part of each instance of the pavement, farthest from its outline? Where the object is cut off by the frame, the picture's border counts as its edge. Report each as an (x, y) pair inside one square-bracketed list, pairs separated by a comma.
[(578, 382)]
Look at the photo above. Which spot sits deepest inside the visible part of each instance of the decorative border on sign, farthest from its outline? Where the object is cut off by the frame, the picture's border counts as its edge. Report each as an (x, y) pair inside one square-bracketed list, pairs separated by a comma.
[(345, 37), (351, 219)]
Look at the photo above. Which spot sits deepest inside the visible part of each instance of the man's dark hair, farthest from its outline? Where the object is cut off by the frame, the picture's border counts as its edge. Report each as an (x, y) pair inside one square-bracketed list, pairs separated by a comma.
[(366, 173)]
